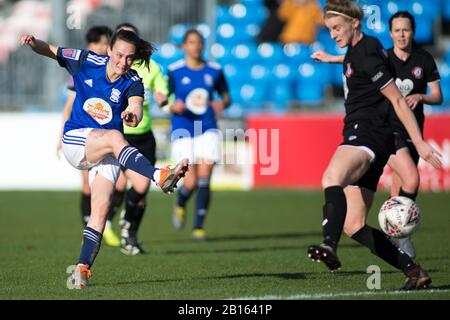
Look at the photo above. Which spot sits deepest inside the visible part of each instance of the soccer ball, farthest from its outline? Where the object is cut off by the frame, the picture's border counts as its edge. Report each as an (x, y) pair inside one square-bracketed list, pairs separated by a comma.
[(399, 217)]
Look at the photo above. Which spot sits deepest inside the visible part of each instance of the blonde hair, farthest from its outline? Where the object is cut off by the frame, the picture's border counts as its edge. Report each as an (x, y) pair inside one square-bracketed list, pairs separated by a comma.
[(344, 8)]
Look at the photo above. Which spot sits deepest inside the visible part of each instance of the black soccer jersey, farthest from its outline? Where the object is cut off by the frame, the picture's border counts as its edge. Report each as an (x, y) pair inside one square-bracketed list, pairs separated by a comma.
[(366, 72), (411, 77)]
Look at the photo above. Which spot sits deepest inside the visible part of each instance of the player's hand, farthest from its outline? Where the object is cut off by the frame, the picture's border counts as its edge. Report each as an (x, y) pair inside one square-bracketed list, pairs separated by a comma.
[(160, 98), (177, 107), (129, 118), (58, 148), (413, 100), (429, 154), (28, 39), (218, 106), (322, 56)]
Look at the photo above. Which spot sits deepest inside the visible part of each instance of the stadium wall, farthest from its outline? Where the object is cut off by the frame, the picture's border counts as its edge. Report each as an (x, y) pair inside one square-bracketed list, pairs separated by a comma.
[(307, 142)]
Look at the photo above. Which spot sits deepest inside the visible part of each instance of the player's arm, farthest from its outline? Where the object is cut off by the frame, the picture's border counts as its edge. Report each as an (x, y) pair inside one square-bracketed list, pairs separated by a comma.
[(408, 119), (433, 98), (323, 56), (159, 86), (39, 46), (133, 115), (221, 87)]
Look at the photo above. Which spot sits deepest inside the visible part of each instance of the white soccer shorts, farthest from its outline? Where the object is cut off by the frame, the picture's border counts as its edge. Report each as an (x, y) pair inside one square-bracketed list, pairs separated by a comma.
[(207, 146), (73, 144)]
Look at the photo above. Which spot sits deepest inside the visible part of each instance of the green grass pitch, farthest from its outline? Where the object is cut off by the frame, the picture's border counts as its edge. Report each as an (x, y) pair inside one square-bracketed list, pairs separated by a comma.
[(256, 249)]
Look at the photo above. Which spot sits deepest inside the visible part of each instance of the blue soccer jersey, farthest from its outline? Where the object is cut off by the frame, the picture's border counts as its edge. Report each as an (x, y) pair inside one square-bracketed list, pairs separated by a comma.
[(99, 102), (196, 89)]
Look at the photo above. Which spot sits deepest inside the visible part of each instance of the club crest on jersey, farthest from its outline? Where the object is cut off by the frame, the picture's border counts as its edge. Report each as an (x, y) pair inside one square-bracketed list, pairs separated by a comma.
[(99, 110), (73, 54), (349, 71), (115, 95), (417, 73), (185, 80)]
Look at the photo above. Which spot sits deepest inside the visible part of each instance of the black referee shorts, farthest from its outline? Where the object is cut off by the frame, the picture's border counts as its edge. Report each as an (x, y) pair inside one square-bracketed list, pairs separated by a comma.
[(145, 143), (379, 140)]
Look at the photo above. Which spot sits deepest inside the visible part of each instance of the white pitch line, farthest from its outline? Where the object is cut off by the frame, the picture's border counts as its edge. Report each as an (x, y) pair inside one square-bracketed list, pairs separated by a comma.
[(307, 296)]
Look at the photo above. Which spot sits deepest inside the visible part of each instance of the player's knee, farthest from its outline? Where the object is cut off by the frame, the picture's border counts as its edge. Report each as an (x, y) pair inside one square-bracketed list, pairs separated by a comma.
[(351, 227), (412, 183), (328, 180), (116, 137)]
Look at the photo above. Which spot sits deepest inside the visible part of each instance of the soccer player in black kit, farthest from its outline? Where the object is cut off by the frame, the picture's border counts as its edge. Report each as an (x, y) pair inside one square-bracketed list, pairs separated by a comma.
[(352, 175), (415, 70)]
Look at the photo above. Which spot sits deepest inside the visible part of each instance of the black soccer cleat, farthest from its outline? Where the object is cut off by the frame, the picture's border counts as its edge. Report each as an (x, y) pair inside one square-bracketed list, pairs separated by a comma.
[(417, 279), (324, 253)]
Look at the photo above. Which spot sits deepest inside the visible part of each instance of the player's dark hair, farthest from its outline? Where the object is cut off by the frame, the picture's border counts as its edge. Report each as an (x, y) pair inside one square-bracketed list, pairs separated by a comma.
[(192, 31), (144, 49), (344, 7), (95, 33), (403, 14), (128, 26)]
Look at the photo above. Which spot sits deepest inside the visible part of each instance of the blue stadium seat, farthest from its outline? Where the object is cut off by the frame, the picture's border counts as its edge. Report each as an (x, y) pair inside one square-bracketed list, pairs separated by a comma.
[(259, 74), (220, 53), (283, 72), (270, 54), (446, 10), (310, 84), (166, 54), (424, 29), (223, 14), (444, 71), (248, 14), (176, 33), (297, 53), (244, 54), (235, 74), (253, 97), (226, 34), (281, 94), (388, 8)]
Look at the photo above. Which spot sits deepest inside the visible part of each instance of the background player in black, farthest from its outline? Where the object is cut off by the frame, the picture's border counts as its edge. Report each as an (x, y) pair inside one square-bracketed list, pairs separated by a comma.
[(352, 175), (415, 70)]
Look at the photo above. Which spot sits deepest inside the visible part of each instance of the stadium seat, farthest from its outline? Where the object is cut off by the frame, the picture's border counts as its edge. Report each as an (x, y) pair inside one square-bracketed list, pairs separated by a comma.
[(280, 96), (297, 53), (176, 33), (220, 53), (166, 54), (310, 83), (270, 54), (253, 97), (424, 30), (283, 72), (244, 54), (223, 14), (259, 74), (243, 14), (235, 74)]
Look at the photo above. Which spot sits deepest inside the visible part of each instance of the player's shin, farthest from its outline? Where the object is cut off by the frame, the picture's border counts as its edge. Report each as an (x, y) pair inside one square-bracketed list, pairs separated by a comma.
[(334, 213)]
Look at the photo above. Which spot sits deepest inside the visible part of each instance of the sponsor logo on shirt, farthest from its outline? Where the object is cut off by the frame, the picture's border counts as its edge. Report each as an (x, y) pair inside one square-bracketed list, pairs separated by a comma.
[(376, 77), (73, 54), (115, 95), (88, 82), (99, 110), (417, 72), (405, 86)]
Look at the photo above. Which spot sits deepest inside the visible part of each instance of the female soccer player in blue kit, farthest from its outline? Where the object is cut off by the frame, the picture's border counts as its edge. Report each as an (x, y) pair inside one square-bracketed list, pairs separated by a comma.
[(93, 136), (193, 81)]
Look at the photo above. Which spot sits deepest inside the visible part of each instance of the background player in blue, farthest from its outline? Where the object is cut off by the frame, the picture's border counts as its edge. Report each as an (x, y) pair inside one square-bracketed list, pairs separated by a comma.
[(194, 81), (352, 175), (415, 71), (93, 136), (97, 39)]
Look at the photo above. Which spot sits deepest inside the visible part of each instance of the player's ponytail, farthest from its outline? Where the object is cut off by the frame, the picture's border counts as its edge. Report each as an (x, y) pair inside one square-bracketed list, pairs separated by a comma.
[(344, 8), (144, 49)]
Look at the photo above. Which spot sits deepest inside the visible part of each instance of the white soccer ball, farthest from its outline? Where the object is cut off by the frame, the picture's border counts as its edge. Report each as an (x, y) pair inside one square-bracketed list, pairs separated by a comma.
[(399, 217)]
